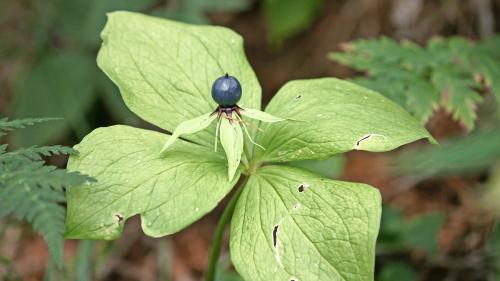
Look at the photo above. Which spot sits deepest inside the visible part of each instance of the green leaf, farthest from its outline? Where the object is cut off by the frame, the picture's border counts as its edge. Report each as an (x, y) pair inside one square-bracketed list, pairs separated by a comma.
[(110, 95), (190, 127), (286, 18), (398, 233), (231, 138), (290, 224), (84, 19), (460, 98), (427, 226), (260, 115), (169, 191), (37, 152), (34, 192), (59, 85), (165, 69), (7, 125), (84, 260), (328, 168), (331, 116), (397, 271), (456, 156), (452, 73), (195, 11), (215, 5), (422, 99)]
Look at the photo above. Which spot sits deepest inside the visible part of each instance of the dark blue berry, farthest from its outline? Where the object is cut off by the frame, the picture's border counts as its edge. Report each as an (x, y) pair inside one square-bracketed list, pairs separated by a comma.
[(226, 91)]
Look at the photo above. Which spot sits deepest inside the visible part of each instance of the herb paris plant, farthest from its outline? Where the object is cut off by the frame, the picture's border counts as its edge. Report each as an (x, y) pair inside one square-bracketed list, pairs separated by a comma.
[(288, 224), (226, 91)]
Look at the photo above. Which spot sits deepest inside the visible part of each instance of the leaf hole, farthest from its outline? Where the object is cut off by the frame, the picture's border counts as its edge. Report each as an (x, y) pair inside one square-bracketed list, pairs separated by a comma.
[(275, 244), (275, 236), (358, 143), (298, 97), (118, 217), (302, 187)]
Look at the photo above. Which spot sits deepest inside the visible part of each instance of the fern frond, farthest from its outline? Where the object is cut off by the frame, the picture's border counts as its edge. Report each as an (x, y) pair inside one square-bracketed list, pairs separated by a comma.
[(37, 174), (37, 152), (7, 125), (41, 208), (448, 73), (33, 191)]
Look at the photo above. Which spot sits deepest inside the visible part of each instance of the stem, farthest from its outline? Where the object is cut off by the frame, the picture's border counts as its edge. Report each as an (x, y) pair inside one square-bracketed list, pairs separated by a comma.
[(219, 232)]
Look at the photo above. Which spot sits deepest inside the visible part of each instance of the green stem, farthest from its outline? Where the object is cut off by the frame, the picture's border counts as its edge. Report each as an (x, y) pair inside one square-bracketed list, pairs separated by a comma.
[(219, 233)]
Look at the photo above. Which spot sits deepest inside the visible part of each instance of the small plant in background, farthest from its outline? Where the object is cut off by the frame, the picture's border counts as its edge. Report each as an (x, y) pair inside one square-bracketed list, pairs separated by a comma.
[(449, 73), (195, 11), (34, 191), (286, 223), (286, 18)]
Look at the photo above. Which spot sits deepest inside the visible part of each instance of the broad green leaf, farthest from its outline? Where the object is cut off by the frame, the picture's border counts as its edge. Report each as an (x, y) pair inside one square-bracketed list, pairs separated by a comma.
[(397, 233), (290, 224), (57, 86), (190, 126), (397, 271), (169, 191), (231, 139), (328, 168), (473, 154), (427, 226), (84, 19), (260, 115), (165, 69), (329, 116), (110, 95), (215, 5), (195, 11), (286, 18)]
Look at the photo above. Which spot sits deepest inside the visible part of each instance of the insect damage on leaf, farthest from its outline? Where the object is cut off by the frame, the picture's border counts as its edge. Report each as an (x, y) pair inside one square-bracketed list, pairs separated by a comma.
[(303, 186), (118, 217), (275, 243)]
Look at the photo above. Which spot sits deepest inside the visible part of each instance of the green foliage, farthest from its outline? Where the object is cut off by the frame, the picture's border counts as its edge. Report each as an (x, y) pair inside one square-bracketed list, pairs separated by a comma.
[(397, 271), (7, 125), (286, 18), (134, 178), (194, 11), (82, 20), (398, 233), (449, 73), (493, 251), (59, 85), (158, 79), (67, 83), (33, 191), (364, 120), (474, 153), (165, 71), (291, 223), (231, 139), (329, 168)]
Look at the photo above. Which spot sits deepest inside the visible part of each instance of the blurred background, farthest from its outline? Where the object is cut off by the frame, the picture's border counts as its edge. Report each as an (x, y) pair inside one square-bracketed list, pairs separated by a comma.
[(439, 59)]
